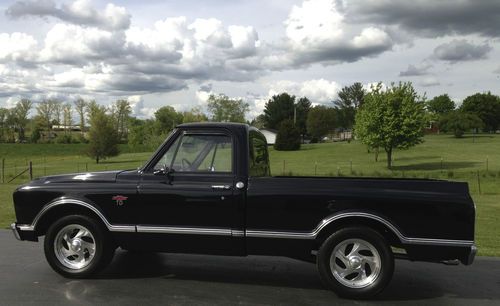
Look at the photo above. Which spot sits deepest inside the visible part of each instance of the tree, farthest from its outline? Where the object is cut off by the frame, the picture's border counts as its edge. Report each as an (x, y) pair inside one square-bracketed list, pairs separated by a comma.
[(288, 138), (302, 108), (121, 112), (45, 110), (4, 127), (103, 138), (67, 117), (258, 122), (80, 106), (21, 112), (224, 109), (58, 111), (391, 119), (440, 105), (321, 121), (486, 106), (194, 115), (458, 122), (277, 109), (350, 98), (167, 118)]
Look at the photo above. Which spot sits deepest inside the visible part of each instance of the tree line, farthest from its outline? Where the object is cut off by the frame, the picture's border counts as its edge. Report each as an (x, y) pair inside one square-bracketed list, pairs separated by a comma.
[(370, 114)]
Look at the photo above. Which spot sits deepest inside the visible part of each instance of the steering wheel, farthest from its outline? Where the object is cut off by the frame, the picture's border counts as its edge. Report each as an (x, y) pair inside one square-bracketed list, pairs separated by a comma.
[(185, 162)]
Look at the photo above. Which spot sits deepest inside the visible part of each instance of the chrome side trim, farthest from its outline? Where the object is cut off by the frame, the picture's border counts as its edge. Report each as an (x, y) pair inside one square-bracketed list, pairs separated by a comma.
[(111, 228), (237, 233), (327, 221), (184, 230)]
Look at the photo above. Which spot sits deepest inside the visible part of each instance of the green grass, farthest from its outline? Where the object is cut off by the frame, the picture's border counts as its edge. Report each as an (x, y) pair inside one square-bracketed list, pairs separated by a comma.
[(476, 161)]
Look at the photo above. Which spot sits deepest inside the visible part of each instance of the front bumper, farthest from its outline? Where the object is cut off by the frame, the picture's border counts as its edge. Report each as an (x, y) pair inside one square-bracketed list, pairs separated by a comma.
[(23, 232)]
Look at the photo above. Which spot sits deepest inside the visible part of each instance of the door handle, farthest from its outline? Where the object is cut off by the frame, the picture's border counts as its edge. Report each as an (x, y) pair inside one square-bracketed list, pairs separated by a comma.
[(221, 187)]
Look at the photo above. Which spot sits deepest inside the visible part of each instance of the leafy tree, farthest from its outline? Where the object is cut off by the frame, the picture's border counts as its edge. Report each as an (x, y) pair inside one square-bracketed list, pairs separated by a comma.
[(194, 115), (350, 98), (258, 122), (440, 105), (225, 109), (302, 108), (458, 122), (58, 111), (121, 113), (278, 108), (35, 135), (21, 112), (4, 127), (92, 108), (167, 118), (288, 138), (391, 119), (486, 106), (80, 106), (103, 138), (45, 110), (321, 121)]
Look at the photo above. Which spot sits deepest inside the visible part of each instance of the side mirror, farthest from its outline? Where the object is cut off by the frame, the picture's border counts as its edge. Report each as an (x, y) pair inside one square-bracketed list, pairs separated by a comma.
[(164, 171)]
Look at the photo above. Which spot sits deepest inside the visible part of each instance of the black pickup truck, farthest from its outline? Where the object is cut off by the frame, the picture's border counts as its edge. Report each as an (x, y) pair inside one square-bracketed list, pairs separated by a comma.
[(208, 189)]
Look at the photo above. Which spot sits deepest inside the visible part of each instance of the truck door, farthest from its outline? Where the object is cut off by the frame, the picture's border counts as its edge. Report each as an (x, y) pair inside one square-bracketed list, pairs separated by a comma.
[(188, 197)]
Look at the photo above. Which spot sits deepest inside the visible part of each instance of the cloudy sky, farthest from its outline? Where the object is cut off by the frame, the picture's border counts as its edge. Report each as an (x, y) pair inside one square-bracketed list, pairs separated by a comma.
[(158, 53)]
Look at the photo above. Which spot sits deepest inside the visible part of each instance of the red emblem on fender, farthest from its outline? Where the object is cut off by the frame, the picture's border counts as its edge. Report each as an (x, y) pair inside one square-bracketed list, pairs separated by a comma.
[(119, 199)]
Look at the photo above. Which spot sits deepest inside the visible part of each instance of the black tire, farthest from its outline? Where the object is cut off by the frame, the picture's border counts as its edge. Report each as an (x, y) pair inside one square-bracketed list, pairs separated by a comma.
[(380, 276), (104, 248)]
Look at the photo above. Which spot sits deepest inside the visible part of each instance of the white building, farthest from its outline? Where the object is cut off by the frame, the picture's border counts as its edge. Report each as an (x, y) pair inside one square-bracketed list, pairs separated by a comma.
[(270, 135)]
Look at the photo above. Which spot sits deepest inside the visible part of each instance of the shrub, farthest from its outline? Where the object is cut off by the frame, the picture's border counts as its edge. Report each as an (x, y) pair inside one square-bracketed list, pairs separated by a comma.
[(288, 138)]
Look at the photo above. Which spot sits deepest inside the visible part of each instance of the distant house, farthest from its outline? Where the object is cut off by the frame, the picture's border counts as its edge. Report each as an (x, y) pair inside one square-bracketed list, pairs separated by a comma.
[(270, 135)]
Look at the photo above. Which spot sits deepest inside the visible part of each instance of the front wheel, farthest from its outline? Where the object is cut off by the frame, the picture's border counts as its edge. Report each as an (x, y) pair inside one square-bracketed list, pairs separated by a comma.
[(77, 246), (356, 262)]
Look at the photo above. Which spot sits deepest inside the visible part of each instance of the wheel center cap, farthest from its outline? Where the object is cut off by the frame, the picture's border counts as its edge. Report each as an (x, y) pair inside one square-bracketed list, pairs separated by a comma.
[(76, 245), (355, 262)]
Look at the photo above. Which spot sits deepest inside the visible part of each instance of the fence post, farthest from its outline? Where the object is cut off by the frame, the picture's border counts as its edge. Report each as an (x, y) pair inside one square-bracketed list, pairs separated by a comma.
[(31, 171), (486, 163), (284, 162), (3, 170), (86, 167), (351, 165), (315, 168), (478, 183)]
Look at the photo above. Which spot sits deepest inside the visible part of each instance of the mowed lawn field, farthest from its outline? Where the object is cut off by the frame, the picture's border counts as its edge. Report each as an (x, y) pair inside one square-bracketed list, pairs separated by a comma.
[(475, 160)]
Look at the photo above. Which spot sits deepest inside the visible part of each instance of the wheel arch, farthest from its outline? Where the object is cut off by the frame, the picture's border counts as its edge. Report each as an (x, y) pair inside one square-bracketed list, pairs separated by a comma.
[(330, 225), (63, 207)]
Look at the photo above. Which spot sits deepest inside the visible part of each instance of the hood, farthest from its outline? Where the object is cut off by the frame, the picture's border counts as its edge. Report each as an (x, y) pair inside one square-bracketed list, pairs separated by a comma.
[(94, 177)]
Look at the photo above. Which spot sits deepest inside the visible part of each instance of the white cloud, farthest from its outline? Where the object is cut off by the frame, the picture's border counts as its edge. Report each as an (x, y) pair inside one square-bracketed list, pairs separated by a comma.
[(318, 91), (317, 32), (16, 46), (138, 108)]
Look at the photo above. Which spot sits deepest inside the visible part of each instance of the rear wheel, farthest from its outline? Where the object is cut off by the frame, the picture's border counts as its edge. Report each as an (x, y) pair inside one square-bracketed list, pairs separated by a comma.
[(356, 262), (77, 246)]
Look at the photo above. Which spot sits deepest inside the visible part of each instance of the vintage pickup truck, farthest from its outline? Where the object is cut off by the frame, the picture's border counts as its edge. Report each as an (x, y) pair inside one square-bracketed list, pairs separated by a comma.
[(208, 189)]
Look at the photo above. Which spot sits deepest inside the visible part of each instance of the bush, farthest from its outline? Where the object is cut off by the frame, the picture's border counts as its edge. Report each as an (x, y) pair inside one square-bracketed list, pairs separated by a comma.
[(288, 138), (64, 138)]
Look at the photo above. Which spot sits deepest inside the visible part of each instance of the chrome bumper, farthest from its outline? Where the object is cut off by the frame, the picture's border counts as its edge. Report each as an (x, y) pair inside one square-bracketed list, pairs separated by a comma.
[(23, 232), (472, 255), (14, 229)]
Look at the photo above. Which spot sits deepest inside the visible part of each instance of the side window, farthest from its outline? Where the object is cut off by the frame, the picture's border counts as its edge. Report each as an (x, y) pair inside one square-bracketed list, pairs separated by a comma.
[(168, 157), (200, 153), (259, 157)]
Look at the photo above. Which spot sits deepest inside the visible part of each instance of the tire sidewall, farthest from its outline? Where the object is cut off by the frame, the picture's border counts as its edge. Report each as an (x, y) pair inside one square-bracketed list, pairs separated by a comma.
[(369, 235), (101, 242)]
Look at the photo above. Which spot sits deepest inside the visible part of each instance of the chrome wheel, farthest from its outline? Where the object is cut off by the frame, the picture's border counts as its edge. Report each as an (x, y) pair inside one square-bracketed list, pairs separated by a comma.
[(355, 263), (74, 246)]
